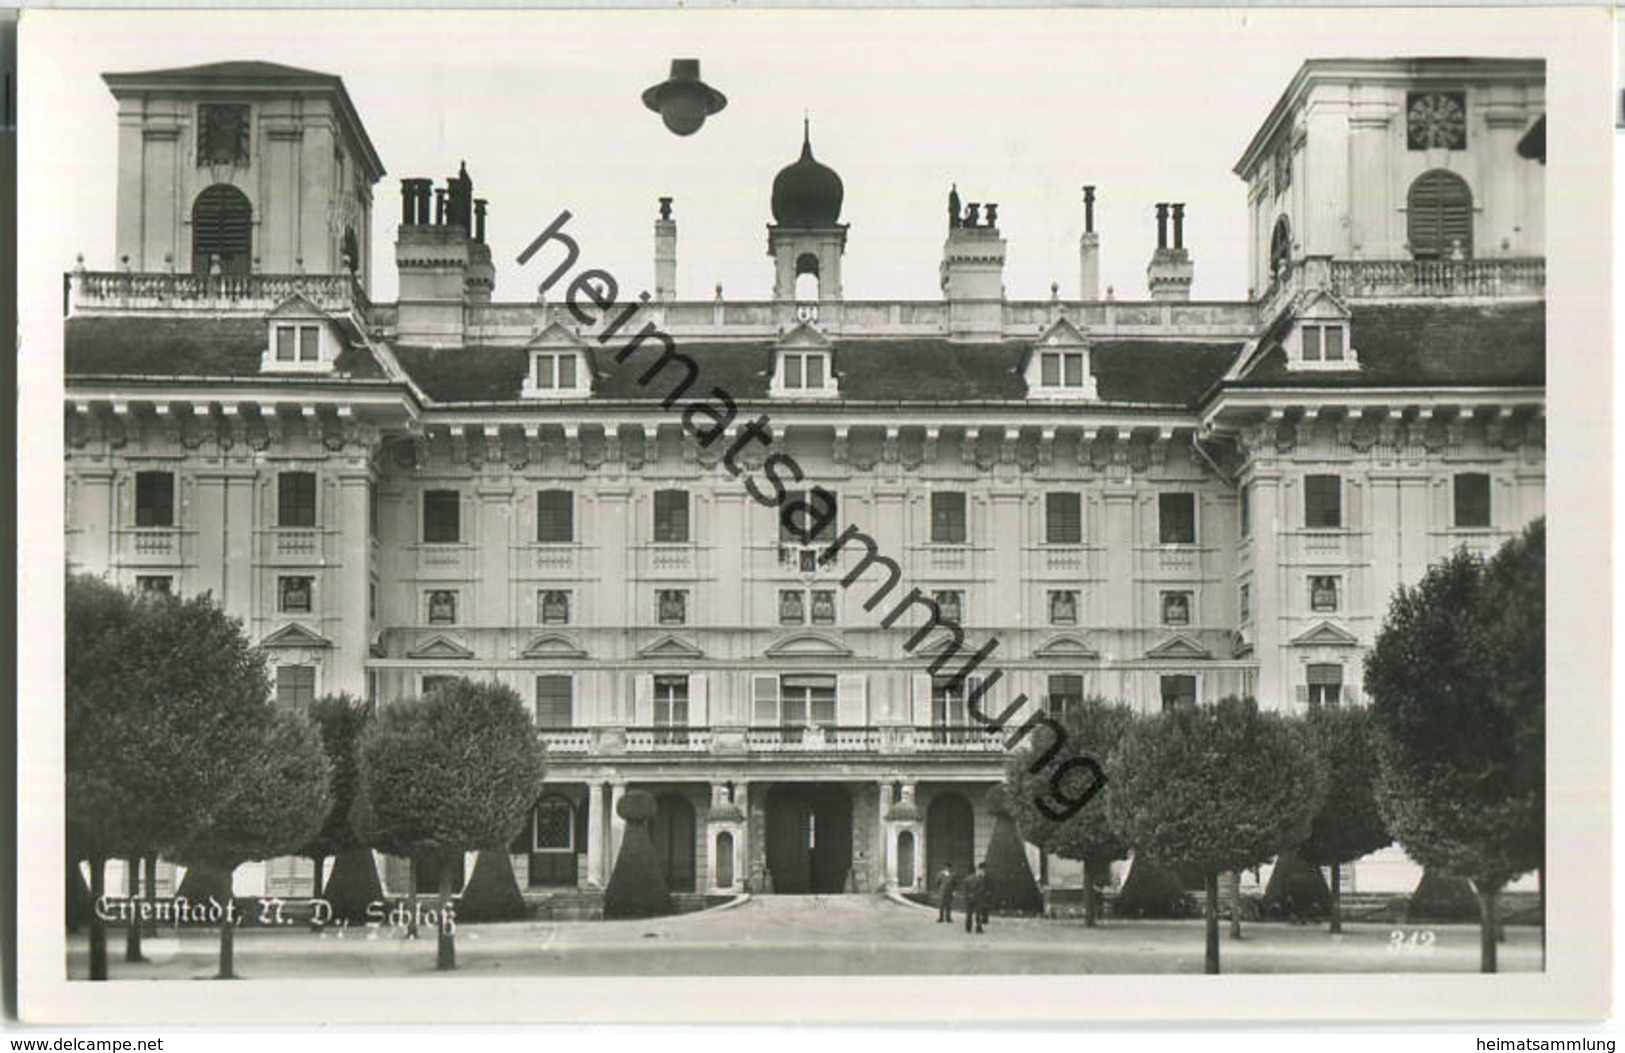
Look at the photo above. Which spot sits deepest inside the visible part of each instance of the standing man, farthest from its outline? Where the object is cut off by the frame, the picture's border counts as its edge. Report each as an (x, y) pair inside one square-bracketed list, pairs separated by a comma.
[(976, 900), (946, 881)]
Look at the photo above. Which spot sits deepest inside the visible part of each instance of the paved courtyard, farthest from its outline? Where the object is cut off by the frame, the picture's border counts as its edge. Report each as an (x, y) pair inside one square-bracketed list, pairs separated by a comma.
[(813, 936)]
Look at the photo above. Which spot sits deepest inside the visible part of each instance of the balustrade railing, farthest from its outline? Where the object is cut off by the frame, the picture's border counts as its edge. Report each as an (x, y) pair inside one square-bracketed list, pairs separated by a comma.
[(128, 290), (1362, 279), (815, 739)]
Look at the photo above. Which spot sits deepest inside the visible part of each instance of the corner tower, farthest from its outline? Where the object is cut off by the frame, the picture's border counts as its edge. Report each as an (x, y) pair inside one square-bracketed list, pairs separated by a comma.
[(806, 237), (242, 167)]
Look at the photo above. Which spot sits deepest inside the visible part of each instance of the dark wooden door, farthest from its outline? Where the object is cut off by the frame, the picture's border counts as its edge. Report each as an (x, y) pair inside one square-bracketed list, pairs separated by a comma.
[(950, 836), (809, 839)]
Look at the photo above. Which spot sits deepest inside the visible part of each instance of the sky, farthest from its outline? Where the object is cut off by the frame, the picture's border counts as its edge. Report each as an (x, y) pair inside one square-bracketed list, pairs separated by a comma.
[(1017, 107)]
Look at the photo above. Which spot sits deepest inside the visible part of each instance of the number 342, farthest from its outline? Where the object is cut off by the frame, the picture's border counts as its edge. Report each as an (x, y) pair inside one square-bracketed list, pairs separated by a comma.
[(1415, 940)]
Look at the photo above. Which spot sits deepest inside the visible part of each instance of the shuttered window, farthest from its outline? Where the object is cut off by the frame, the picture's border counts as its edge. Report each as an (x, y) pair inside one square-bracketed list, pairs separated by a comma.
[(1063, 519), (554, 694), (1439, 215), (948, 517), (1322, 502), (222, 230), (555, 516), (1472, 499)]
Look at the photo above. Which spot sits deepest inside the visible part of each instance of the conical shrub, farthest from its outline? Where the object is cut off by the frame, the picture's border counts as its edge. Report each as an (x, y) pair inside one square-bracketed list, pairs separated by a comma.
[(1297, 889), (353, 885), (637, 886), (1152, 890), (492, 892), (1011, 887)]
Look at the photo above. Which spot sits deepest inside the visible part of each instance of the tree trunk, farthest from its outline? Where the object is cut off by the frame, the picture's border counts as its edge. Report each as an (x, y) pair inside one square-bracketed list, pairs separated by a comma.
[(132, 888), (151, 865), (1235, 905), (1091, 903), (1486, 941), (412, 897), (1540, 879), (228, 947), (446, 954), (316, 882), (1337, 898), (98, 927), (1211, 963)]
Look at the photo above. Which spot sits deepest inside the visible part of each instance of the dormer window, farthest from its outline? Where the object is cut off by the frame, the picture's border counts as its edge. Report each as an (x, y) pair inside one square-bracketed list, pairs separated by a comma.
[(1058, 367), (1324, 343), (300, 339), (1321, 337), (1061, 369), (805, 369), (804, 365), (558, 366), (553, 371), (298, 343)]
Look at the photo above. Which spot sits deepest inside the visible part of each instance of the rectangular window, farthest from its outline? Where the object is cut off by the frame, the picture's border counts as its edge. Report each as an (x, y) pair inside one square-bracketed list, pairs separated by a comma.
[(823, 607), (1311, 343), (1049, 369), (1065, 694), (1325, 684), (948, 700), (154, 584), (815, 371), (948, 518), (1063, 519), (436, 681), (951, 602), (555, 517), (310, 342), (555, 695), (154, 499), (671, 709), (1056, 370), (553, 607), (567, 371), (792, 607), (792, 371), (805, 370), (293, 595), (295, 686), (671, 516), (1178, 691), (442, 604), (1323, 589), (222, 133), (806, 700), (556, 371), (672, 606), (1322, 502), (1245, 503), (442, 517), (1176, 608), (285, 336), (1074, 370), (1176, 519), (1334, 343), (1063, 607), (805, 518), (1246, 603), (296, 499), (1472, 499)]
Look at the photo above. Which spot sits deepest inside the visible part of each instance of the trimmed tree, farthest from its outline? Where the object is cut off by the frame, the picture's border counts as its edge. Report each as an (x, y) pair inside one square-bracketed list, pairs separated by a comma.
[(276, 804), (1348, 824), (1073, 774), (1011, 887), (637, 886), (1457, 680), (1217, 787), (492, 892), (445, 774), (354, 882), (156, 692)]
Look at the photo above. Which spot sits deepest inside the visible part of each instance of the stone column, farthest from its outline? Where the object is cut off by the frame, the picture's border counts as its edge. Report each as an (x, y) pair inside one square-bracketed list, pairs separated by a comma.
[(595, 836), (617, 827)]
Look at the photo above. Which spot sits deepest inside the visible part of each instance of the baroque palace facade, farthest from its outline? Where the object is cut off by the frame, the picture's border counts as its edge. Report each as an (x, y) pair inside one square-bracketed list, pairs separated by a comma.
[(1158, 500)]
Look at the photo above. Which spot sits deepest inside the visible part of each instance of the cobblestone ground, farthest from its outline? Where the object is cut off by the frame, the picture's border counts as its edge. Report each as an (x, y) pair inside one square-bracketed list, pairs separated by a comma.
[(817, 936)]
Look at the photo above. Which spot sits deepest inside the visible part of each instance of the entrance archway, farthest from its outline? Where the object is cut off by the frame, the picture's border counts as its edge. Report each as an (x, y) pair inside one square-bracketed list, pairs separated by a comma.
[(809, 838), (674, 841), (950, 834)]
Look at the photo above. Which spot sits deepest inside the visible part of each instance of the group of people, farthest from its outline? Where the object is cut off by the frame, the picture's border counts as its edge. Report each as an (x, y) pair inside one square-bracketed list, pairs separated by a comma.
[(973, 887)]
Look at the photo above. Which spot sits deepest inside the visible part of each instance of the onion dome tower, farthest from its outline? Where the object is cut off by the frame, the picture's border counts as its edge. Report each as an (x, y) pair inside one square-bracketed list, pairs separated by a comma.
[(806, 236)]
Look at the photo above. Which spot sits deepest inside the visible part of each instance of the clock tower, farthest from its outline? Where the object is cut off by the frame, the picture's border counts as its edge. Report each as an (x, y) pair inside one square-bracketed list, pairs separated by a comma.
[(242, 167)]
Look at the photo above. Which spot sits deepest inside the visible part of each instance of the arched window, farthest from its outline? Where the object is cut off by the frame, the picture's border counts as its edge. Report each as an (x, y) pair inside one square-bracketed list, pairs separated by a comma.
[(807, 284), (223, 230), (1440, 216), (1280, 248)]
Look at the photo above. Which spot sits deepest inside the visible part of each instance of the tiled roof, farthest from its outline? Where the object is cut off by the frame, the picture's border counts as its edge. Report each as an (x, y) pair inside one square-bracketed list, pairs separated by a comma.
[(908, 370), (1409, 345), (174, 347)]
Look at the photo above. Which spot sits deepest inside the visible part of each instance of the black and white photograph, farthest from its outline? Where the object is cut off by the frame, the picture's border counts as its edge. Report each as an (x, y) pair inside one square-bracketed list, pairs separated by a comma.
[(875, 515)]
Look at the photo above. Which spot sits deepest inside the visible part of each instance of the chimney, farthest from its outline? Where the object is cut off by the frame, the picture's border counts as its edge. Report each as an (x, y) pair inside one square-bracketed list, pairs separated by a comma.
[(665, 254), (1170, 270), (1089, 251), (443, 263), (972, 273)]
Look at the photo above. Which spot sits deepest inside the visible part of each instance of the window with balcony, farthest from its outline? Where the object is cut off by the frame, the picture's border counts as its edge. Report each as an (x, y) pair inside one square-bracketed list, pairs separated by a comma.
[(795, 700), (1063, 607), (1063, 519), (1325, 683), (1472, 499), (671, 606), (154, 499), (1323, 502), (295, 686), (951, 604), (1324, 590), (950, 716), (154, 584), (442, 606), (1065, 695), (1439, 217), (671, 709), (296, 499), (1176, 607), (671, 516), (553, 606), (442, 517), (294, 594), (555, 517), (948, 519), (1178, 691), (1176, 519), (555, 701)]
